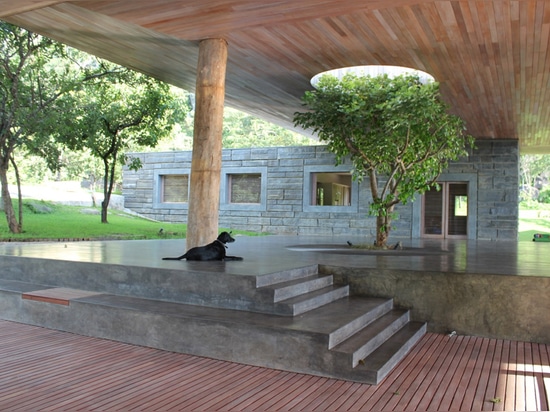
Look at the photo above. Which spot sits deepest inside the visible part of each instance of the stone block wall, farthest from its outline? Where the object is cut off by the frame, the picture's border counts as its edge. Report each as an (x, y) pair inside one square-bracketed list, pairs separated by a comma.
[(285, 208)]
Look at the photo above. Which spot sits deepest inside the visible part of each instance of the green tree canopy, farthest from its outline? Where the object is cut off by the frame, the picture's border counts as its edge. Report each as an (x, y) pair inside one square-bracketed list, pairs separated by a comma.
[(29, 86), (119, 110), (396, 130)]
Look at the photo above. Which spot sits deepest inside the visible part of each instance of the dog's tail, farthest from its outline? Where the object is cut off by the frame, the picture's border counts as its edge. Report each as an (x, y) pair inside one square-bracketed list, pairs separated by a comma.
[(233, 258), (175, 258)]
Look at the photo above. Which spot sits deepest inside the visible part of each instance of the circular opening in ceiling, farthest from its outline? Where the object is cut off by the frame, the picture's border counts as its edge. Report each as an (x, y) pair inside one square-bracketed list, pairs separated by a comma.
[(372, 71)]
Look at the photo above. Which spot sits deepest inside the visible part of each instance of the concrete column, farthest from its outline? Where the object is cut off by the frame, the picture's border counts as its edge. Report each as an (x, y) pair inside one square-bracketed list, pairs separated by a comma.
[(204, 191)]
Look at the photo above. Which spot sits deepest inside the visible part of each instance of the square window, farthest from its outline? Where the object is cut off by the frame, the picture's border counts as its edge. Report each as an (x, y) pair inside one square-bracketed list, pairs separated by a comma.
[(331, 189), (175, 188), (244, 188)]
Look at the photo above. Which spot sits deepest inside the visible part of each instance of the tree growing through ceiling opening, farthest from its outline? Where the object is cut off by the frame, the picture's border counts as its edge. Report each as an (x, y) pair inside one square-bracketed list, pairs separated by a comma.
[(397, 131)]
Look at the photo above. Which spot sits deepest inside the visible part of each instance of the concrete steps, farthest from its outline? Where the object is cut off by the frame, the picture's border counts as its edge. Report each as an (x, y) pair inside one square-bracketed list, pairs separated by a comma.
[(379, 363), (372, 341), (305, 324), (360, 345)]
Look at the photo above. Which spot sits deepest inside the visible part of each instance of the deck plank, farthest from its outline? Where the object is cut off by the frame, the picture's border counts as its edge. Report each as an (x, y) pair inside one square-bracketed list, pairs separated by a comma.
[(58, 296), (543, 368), (407, 378), (50, 370), (427, 384)]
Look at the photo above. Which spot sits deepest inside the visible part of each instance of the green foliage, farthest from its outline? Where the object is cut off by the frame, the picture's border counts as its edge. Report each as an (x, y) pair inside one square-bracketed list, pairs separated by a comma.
[(530, 204), (240, 130), (38, 207), (31, 81), (396, 131), (117, 109), (533, 167), (544, 196)]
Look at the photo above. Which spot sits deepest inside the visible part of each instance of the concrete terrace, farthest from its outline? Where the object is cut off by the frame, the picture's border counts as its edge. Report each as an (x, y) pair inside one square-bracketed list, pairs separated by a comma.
[(268, 254), (491, 289)]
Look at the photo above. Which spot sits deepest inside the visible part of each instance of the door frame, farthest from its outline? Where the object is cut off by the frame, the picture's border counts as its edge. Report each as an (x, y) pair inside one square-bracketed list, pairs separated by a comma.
[(446, 198), (471, 179)]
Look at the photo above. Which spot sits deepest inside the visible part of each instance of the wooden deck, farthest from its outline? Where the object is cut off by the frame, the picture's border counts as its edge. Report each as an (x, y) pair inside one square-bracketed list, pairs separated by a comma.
[(43, 369)]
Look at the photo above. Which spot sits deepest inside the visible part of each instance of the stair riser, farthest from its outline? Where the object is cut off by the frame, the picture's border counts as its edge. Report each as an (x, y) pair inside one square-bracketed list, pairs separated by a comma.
[(299, 289), (318, 301), (287, 275), (351, 328), (370, 346), (399, 355)]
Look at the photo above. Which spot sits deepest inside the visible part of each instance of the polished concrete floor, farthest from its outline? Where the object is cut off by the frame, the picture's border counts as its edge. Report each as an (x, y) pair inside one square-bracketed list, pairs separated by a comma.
[(269, 254)]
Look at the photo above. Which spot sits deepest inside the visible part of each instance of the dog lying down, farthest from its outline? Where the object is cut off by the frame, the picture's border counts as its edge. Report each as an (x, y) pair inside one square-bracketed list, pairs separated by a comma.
[(212, 251)]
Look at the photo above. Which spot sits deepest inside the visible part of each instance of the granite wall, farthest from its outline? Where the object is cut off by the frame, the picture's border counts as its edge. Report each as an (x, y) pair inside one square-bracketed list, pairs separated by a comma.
[(491, 170)]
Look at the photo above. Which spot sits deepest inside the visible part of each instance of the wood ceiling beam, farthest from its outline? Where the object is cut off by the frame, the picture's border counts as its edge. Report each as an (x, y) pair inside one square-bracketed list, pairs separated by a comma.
[(12, 7)]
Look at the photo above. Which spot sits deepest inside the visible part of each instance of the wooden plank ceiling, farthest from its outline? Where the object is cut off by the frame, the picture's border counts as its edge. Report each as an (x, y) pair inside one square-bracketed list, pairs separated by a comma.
[(490, 56)]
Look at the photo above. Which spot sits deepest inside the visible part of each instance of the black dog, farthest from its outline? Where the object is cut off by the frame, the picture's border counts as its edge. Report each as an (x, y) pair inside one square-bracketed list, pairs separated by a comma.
[(212, 251)]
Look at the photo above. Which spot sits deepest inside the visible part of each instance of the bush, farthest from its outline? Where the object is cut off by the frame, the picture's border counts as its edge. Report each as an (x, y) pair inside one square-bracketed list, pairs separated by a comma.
[(544, 196), (38, 208)]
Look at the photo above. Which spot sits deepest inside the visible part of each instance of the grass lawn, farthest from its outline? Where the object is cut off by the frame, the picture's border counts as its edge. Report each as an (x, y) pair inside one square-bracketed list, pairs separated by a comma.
[(531, 222), (44, 220)]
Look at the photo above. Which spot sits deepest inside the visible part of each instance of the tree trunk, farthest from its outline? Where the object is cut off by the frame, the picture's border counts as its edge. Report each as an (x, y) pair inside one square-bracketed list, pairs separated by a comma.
[(19, 193), (106, 192), (383, 227), (204, 191), (104, 207), (13, 225)]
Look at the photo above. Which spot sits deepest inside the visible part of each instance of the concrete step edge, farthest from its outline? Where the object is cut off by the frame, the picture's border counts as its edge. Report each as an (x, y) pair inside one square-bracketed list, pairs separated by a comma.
[(383, 360), (374, 335), (301, 286), (286, 275), (312, 300), (349, 329)]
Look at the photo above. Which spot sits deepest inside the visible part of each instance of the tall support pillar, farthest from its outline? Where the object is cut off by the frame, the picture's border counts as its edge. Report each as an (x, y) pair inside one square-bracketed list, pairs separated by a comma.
[(206, 161)]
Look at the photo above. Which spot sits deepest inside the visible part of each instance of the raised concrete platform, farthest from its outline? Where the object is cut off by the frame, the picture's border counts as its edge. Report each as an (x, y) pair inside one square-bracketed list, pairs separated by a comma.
[(244, 311)]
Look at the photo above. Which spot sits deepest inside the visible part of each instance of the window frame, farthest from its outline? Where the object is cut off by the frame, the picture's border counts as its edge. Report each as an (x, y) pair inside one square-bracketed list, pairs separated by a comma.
[(308, 187), (225, 189), (158, 202)]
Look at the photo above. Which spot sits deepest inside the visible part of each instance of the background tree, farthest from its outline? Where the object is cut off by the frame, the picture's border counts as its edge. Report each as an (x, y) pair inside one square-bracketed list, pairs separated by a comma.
[(397, 132), (239, 130), (534, 174), (29, 85), (117, 111), (243, 130)]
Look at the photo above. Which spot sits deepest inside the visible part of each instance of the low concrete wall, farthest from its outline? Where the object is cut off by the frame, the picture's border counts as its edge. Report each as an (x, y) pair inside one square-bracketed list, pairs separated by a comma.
[(471, 304), (172, 285)]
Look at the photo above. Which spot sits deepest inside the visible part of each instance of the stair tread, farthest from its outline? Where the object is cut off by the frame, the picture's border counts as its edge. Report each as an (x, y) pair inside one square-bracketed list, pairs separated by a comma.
[(311, 300), (332, 317), (298, 287), (370, 332), (323, 320), (311, 295), (294, 282), (402, 341)]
